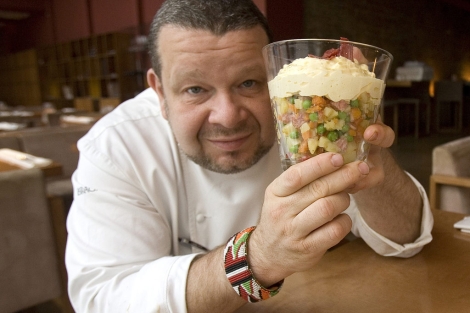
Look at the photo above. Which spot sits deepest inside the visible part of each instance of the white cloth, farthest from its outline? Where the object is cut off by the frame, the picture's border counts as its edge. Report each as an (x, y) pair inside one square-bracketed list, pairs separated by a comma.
[(135, 194), (22, 160)]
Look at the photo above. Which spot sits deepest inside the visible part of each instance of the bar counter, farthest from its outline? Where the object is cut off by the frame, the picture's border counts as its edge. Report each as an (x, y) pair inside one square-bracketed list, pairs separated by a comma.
[(353, 278)]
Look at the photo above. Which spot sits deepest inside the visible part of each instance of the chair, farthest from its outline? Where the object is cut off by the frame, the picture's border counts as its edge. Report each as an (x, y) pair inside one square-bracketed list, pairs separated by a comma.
[(450, 93), (414, 95), (108, 104), (395, 104), (29, 269), (450, 179), (7, 140), (84, 104), (60, 145)]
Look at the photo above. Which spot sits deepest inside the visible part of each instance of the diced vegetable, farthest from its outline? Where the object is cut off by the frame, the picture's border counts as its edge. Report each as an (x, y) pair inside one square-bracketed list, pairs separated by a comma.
[(330, 113), (307, 103), (333, 136), (304, 128), (294, 134), (315, 124), (312, 145)]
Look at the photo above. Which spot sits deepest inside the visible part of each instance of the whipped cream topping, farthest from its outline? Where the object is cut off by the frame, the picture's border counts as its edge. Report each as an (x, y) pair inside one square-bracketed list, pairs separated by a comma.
[(337, 79)]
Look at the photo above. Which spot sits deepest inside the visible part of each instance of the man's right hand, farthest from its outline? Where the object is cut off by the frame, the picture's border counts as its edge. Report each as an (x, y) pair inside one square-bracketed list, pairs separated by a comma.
[(301, 216)]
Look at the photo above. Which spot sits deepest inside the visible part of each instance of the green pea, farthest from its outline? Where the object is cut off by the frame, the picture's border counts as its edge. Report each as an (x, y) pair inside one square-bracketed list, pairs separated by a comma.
[(291, 100), (294, 149), (345, 128), (321, 129), (332, 136), (294, 134), (354, 103), (313, 117), (306, 104), (342, 115), (349, 138)]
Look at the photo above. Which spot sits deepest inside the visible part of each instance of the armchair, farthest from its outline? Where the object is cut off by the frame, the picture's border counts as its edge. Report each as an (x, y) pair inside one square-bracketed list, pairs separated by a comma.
[(450, 179)]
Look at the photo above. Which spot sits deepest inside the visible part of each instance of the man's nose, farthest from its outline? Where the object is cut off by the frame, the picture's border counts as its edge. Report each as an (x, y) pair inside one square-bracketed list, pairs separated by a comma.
[(226, 110)]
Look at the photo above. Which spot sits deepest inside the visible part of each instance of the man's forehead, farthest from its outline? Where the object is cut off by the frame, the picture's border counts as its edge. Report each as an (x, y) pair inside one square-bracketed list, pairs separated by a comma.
[(171, 33)]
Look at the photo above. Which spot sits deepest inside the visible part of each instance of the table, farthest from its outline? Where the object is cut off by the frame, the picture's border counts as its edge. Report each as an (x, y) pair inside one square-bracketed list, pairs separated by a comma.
[(51, 170), (352, 278), (398, 83)]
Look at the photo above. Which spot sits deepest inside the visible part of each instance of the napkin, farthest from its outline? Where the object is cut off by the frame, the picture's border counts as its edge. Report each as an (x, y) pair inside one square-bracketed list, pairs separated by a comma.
[(77, 119), (463, 225), (22, 160)]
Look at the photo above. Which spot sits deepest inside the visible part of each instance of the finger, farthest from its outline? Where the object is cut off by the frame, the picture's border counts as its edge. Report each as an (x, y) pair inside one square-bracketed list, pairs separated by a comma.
[(333, 183), (319, 213), (379, 134), (375, 178), (301, 174), (328, 235)]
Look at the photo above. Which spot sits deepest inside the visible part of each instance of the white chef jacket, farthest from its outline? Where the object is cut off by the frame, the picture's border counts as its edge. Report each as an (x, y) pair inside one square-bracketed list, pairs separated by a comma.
[(135, 194)]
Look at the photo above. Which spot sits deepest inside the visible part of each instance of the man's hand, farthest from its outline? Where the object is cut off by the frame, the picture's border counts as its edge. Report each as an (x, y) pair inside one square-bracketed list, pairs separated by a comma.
[(387, 198), (379, 136), (301, 216)]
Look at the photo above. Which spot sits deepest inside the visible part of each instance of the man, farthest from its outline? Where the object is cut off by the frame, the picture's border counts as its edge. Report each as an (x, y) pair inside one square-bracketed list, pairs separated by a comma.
[(192, 161)]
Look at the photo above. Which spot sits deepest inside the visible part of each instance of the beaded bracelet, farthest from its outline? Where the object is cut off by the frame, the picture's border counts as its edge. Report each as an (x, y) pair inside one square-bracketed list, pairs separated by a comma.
[(239, 273)]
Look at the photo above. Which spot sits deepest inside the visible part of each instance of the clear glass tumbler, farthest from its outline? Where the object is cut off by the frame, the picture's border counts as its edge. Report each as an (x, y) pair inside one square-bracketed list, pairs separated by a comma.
[(324, 93)]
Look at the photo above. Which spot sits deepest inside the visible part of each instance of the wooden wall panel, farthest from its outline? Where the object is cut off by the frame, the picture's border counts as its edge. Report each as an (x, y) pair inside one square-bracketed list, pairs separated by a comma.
[(149, 8), (70, 18), (114, 15)]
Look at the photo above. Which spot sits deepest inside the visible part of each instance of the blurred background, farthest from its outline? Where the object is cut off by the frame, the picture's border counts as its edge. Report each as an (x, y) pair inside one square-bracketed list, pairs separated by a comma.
[(435, 33), (66, 63)]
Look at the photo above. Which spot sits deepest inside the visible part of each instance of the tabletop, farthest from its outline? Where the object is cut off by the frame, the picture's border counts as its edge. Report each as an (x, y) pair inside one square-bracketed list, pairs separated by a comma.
[(398, 83), (51, 170), (353, 278)]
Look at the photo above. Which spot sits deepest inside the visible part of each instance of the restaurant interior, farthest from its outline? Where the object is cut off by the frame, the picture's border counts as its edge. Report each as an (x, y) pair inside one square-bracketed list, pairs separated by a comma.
[(66, 63)]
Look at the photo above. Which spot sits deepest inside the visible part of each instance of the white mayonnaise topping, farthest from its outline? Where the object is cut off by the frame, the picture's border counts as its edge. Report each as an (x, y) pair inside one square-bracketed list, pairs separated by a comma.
[(337, 79)]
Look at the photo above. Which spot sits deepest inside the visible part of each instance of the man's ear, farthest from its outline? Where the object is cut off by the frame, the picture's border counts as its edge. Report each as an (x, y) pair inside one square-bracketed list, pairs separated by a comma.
[(156, 84)]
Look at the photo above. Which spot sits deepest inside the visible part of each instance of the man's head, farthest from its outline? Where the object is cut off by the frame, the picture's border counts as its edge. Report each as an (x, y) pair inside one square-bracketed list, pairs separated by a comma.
[(216, 16), (209, 74)]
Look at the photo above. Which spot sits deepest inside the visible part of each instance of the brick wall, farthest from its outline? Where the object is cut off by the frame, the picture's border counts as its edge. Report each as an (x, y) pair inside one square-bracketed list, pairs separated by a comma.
[(431, 31)]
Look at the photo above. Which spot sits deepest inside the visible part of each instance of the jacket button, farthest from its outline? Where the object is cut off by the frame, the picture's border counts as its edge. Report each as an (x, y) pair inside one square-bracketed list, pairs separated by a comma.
[(200, 218)]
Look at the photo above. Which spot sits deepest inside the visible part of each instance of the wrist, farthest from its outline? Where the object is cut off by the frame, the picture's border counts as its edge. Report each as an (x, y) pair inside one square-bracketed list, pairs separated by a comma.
[(239, 272), (263, 265)]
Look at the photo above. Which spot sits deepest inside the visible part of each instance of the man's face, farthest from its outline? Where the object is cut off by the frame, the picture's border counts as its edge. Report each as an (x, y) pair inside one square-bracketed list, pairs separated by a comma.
[(214, 94)]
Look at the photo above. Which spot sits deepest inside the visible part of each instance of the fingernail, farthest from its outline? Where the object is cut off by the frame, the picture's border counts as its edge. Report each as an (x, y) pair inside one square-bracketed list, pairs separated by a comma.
[(337, 160), (363, 168), (374, 136)]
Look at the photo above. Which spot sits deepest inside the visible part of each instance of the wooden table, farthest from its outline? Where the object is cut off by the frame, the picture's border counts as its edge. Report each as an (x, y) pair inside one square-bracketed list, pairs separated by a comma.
[(53, 169), (352, 278)]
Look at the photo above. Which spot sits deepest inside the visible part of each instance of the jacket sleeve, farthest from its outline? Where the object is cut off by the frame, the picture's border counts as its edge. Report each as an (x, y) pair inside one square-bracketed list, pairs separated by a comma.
[(386, 247), (118, 254)]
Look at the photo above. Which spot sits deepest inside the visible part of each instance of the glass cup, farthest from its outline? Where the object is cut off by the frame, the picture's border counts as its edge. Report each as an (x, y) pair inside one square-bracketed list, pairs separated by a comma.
[(324, 93)]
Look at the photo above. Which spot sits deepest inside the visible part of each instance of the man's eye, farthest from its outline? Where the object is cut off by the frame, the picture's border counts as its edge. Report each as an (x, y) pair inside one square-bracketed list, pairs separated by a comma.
[(248, 83), (194, 90)]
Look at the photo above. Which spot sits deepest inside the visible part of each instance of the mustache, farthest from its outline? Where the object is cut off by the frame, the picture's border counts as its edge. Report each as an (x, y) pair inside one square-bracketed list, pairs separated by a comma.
[(218, 130)]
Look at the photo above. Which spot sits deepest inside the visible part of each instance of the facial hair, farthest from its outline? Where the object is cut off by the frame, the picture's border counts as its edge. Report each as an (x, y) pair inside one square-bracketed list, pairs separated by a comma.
[(235, 166)]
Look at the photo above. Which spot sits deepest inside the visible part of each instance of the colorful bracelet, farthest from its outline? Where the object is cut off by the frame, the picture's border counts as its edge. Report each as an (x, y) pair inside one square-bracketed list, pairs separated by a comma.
[(239, 273)]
